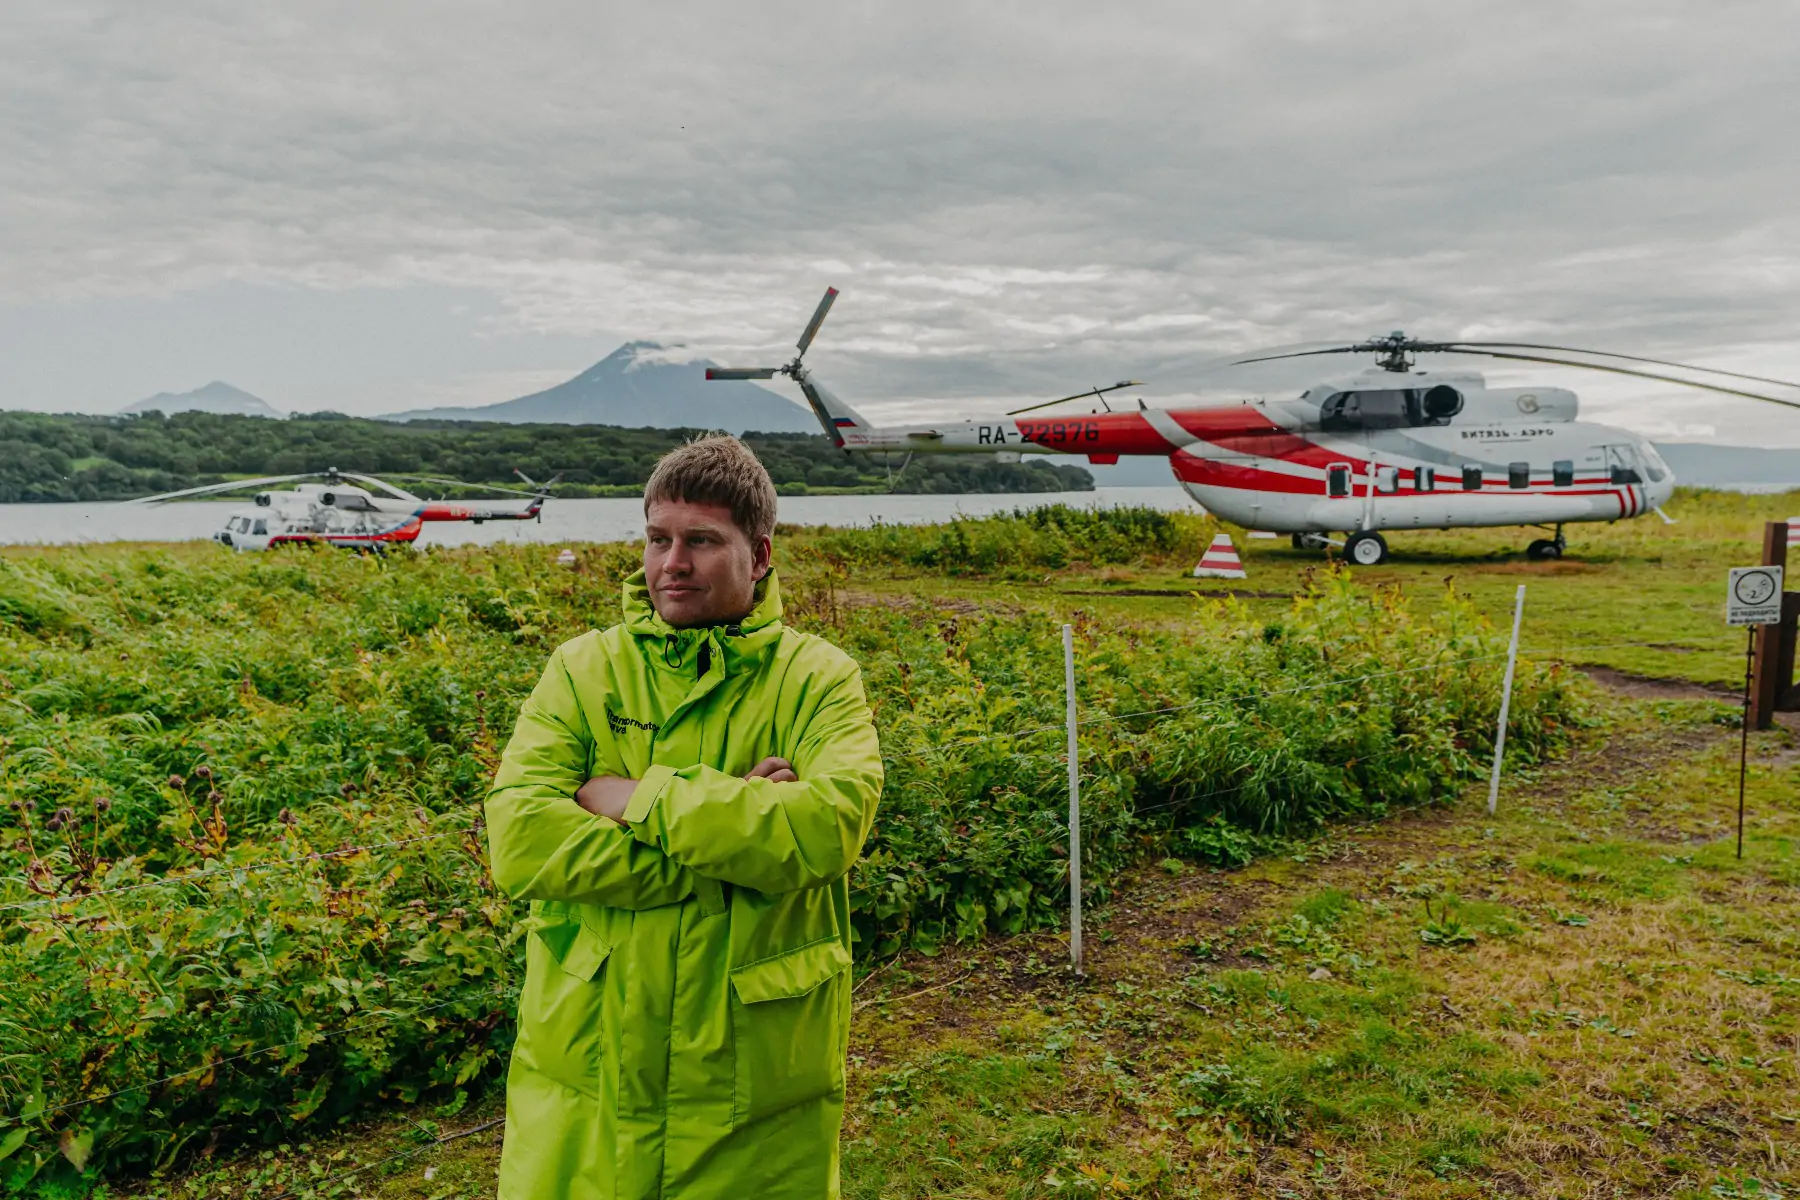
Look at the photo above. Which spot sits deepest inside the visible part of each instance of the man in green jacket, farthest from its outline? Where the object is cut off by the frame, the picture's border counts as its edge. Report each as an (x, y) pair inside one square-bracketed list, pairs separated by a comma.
[(681, 801)]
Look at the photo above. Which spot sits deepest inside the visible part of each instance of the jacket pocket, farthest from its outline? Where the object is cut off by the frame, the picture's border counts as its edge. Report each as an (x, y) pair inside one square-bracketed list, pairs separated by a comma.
[(578, 950), (561, 1034), (789, 1029)]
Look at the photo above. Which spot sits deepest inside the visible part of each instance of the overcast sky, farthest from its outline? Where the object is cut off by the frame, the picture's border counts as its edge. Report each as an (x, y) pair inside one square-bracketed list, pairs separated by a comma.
[(377, 207)]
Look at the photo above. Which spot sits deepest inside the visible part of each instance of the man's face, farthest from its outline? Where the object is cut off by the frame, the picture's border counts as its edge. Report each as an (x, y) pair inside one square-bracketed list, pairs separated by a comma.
[(702, 569)]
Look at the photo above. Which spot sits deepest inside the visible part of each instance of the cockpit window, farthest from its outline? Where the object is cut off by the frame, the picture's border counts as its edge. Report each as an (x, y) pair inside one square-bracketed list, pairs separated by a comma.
[(1622, 462), (1654, 466)]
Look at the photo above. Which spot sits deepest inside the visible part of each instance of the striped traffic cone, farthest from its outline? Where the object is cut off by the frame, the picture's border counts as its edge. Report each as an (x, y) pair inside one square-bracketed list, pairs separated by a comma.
[(1793, 532), (1221, 561)]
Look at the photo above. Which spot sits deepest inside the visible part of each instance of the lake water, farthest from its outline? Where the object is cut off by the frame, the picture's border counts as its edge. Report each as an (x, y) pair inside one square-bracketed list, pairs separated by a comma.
[(564, 520)]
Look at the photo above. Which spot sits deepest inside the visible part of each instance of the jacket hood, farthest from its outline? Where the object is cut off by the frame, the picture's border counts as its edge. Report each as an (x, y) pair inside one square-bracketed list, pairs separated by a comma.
[(675, 648)]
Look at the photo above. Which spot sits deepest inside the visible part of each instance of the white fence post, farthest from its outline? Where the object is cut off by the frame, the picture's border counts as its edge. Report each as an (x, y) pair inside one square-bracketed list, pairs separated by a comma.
[(1074, 805), (1512, 658)]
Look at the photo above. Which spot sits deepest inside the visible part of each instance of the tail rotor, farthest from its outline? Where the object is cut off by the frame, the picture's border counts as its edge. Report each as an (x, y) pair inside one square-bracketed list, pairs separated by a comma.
[(833, 415), (818, 319), (793, 370), (540, 492)]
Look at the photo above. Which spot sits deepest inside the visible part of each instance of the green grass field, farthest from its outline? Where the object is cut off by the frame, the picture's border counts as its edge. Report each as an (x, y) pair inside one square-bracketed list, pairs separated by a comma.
[(1661, 586), (1586, 994)]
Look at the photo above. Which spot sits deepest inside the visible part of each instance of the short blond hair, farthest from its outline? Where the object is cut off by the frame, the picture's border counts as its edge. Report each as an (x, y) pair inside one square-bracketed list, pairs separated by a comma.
[(717, 470)]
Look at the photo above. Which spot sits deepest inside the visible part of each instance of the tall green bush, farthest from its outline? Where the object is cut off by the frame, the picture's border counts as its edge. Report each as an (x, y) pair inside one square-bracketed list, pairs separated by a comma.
[(247, 722), (1017, 544)]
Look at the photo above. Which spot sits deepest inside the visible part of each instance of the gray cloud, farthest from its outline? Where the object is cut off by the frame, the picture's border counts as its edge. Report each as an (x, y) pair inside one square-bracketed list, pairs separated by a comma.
[(1016, 199)]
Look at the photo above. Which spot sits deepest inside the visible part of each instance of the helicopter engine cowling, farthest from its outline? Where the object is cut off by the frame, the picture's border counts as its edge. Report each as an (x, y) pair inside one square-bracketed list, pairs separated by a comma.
[(1440, 403), (1533, 404), (263, 500)]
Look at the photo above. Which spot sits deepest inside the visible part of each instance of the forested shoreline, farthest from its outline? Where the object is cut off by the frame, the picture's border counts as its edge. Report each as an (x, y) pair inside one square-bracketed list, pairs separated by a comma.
[(67, 457)]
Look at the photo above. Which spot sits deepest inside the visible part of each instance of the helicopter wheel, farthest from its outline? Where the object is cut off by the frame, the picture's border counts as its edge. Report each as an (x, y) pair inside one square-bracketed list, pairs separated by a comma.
[(1543, 550), (1301, 542), (1366, 549)]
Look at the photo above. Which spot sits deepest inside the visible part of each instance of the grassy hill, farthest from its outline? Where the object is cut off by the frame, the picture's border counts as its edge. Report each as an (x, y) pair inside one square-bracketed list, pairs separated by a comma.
[(47, 457)]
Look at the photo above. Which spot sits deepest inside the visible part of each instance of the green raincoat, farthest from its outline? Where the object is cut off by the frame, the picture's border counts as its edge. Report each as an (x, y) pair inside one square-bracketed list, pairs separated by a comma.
[(686, 1009)]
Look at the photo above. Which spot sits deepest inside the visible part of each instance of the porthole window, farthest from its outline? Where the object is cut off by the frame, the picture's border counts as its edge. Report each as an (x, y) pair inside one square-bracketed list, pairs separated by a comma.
[(1562, 472), (1337, 480), (1471, 478), (1518, 475), (1424, 479)]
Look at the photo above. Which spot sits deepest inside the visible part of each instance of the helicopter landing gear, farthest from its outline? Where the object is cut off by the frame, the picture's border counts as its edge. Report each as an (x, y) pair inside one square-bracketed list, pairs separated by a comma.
[(1366, 549), (1313, 541), (1547, 549)]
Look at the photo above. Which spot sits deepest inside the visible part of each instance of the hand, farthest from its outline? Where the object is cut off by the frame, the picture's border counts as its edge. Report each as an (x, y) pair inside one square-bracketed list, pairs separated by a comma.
[(606, 796), (775, 770)]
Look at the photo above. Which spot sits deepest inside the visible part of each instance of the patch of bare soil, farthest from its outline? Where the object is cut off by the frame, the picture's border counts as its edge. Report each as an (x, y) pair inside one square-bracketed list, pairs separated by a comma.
[(1561, 566), (1228, 593), (1653, 687), (937, 604)]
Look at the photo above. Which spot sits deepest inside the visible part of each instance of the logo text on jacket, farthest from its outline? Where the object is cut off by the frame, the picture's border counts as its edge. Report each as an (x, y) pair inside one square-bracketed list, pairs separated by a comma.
[(624, 724)]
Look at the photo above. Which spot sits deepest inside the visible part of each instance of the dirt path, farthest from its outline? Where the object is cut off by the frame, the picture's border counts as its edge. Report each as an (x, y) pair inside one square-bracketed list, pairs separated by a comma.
[(1153, 920)]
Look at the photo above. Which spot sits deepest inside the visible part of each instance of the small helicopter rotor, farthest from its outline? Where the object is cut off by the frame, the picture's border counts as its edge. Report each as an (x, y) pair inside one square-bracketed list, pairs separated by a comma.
[(371, 481), (539, 489), (543, 489), (336, 478), (212, 489)]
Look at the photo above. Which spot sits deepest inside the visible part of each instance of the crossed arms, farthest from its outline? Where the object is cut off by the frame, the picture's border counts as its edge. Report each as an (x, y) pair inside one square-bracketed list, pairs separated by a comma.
[(784, 827)]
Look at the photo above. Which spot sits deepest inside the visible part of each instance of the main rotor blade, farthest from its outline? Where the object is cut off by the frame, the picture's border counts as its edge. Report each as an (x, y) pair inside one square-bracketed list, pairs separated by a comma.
[(1358, 348), (741, 372), (485, 487), (1099, 391), (213, 488), (818, 319), (1564, 362), (1656, 362), (390, 489)]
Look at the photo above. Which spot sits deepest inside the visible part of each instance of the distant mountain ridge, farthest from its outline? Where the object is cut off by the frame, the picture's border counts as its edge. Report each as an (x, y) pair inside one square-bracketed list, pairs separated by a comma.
[(629, 388), (216, 397)]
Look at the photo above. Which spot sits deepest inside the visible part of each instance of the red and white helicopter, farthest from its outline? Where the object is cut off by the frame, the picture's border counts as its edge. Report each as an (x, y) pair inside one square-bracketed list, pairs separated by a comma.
[(1391, 447), (344, 514)]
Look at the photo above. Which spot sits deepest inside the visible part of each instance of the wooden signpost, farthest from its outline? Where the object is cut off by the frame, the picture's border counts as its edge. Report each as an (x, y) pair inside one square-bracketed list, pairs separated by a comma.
[(1756, 599), (1772, 687)]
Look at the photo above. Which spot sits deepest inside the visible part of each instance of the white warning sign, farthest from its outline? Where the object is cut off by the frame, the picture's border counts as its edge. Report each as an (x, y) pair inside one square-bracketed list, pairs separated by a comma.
[(1753, 596)]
